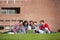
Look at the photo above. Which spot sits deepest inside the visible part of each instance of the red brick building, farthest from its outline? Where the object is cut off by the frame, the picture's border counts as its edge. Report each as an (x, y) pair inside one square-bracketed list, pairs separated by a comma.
[(49, 10)]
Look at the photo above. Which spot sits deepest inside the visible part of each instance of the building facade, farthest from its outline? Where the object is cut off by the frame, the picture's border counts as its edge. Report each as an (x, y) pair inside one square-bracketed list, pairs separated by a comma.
[(13, 10)]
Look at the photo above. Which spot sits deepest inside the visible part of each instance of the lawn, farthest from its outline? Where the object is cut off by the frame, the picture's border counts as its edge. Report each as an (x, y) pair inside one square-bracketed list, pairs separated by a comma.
[(30, 36)]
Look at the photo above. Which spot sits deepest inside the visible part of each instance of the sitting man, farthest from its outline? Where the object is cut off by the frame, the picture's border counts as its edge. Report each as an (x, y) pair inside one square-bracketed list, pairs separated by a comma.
[(44, 27)]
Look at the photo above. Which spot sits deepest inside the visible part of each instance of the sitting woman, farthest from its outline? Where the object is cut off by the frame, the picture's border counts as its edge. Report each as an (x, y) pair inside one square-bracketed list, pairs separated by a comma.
[(44, 27), (25, 24), (18, 28)]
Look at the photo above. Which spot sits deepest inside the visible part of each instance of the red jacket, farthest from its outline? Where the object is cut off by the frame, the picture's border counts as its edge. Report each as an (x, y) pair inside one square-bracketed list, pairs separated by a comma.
[(44, 26)]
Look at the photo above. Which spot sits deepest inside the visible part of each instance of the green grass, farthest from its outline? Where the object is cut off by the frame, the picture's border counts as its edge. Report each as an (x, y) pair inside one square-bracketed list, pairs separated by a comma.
[(30, 36)]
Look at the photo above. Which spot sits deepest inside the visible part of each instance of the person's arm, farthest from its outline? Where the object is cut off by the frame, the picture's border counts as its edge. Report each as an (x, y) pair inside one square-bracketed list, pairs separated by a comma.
[(23, 30), (14, 29), (46, 25), (40, 27)]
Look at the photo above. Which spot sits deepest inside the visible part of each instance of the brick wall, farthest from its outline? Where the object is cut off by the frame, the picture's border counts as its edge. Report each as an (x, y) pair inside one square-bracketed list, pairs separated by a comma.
[(49, 10)]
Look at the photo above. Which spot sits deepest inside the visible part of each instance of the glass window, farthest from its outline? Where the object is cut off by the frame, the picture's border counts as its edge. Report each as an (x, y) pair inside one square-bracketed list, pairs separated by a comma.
[(11, 11), (3, 11)]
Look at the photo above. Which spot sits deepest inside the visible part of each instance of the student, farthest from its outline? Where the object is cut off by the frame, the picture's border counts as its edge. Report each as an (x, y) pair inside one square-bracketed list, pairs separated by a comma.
[(31, 23), (29, 26), (44, 27), (25, 24), (17, 27), (21, 27), (36, 27)]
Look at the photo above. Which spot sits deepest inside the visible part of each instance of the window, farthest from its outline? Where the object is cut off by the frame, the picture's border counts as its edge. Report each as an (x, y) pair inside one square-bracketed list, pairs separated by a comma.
[(10, 10), (4, 11)]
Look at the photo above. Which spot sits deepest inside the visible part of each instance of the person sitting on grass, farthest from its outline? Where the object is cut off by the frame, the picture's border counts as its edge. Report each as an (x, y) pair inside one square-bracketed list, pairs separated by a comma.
[(17, 28), (31, 23), (36, 30), (44, 27), (25, 24)]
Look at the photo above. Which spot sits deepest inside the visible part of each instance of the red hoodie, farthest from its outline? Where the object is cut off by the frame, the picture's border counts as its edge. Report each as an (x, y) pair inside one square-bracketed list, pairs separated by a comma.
[(44, 26)]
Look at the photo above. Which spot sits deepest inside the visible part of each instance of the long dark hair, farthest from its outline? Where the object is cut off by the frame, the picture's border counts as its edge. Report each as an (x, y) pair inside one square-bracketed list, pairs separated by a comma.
[(25, 22)]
